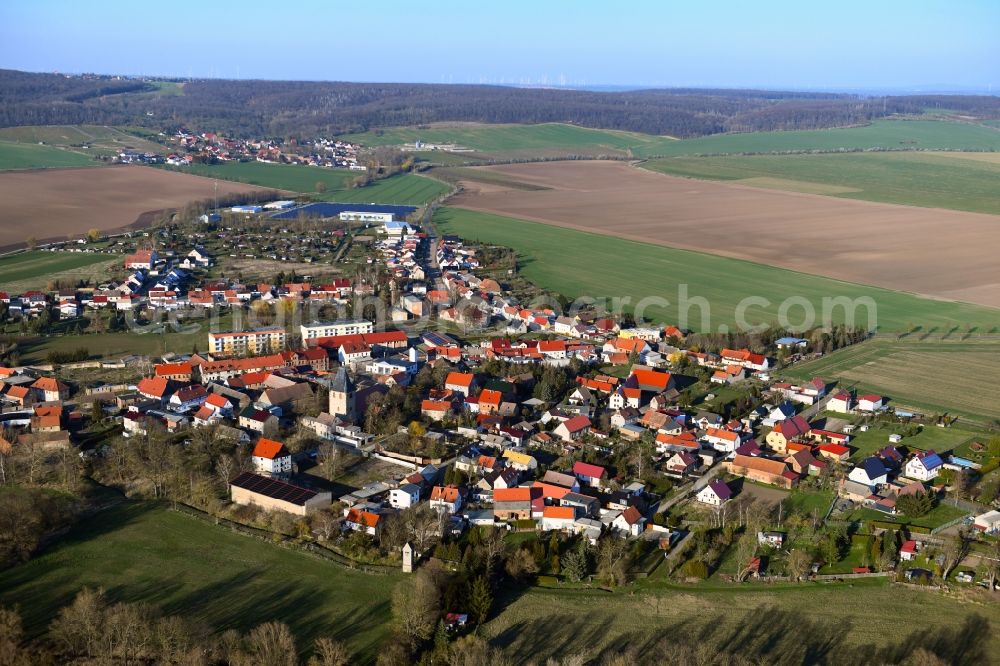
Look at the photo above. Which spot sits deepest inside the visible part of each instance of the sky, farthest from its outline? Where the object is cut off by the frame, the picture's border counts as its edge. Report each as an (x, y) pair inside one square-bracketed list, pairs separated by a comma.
[(802, 44)]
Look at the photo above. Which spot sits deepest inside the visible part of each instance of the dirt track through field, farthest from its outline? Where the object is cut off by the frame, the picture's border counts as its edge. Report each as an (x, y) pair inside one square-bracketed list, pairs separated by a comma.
[(50, 204), (938, 253)]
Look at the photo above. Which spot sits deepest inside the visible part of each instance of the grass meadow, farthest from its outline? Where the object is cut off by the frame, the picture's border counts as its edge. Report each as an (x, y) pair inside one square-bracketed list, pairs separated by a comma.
[(930, 376), (141, 552), (862, 622), (959, 181), (576, 263)]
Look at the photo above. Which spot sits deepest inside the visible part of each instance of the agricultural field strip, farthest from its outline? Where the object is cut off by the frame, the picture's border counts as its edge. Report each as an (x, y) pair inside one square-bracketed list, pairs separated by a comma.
[(69, 202), (552, 257), (547, 138), (33, 270), (957, 377), (957, 181), (854, 241)]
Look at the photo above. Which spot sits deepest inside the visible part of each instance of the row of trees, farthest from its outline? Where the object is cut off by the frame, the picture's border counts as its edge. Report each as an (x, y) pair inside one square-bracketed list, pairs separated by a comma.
[(94, 630)]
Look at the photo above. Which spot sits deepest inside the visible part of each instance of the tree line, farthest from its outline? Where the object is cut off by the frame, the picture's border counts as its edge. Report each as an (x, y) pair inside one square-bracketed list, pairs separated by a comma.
[(306, 108)]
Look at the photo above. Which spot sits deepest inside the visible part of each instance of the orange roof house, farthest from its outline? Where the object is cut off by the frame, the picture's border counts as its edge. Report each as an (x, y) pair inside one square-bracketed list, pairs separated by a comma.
[(154, 387), (269, 449)]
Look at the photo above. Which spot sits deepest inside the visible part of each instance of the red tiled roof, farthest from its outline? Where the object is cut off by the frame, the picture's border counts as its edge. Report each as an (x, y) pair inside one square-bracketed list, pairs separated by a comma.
[(270, 449), (588, 470)]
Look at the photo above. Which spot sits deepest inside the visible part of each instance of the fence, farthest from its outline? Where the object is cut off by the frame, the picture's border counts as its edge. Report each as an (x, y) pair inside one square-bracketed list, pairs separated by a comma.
[(284, 541), (950, 523)]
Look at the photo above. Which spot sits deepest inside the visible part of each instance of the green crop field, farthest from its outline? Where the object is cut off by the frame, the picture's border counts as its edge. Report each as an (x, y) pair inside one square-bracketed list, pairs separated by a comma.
[(514, 140), (960, 181), (400, 189), (33, 156), (405, 188), (930, 376), (864, 621), (139, 552), (879, 135), (552, 139), (576, 263), (40, 266)]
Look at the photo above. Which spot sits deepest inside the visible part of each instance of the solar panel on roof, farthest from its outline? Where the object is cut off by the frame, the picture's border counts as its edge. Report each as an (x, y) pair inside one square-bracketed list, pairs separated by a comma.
[(331, 209), (273, 488)]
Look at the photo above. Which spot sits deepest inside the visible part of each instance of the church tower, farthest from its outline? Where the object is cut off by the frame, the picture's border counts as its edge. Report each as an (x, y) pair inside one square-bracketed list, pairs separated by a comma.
[(342, 396)]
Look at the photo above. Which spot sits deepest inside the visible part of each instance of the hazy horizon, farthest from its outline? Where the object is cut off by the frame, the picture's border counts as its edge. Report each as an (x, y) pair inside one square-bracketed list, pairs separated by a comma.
[(850, 46)]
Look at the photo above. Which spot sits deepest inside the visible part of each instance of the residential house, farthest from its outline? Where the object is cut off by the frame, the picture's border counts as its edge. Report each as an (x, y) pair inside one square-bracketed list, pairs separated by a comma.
[(50, 389), (786, 431), (841, 402), (716, 493), (522, 462), (573, 429), (803, 463), (924, 466), (154, 388), (461, 382), (360, 520), (594, 476), (558, 518), (271, 457), (630, 522), (404, 496), (446, 499), (870, 403), (870, 472), (258, 420), (681, 463)]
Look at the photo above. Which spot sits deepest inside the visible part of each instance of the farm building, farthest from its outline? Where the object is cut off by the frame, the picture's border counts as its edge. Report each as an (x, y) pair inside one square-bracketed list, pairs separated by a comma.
[(271, 494)]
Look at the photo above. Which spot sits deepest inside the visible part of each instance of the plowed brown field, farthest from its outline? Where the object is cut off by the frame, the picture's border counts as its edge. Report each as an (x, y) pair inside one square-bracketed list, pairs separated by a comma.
[(939, 253), (51, 204)]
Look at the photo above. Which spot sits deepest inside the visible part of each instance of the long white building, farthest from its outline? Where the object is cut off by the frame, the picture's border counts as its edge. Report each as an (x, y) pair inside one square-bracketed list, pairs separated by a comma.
[(329, 329)]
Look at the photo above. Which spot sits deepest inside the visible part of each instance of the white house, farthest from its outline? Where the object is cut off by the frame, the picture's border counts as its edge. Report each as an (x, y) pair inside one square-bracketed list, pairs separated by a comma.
[(841, 402), (446, 499), (271, 457), (405, 496), (629, 521), (924, 466), (716, 493), (558, 517), (870, 472), (870, 403)]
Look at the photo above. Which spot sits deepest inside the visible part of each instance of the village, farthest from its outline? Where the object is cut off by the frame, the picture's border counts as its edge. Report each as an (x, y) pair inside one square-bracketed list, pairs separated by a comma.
[(184, 147), (434, 405)]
